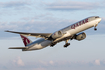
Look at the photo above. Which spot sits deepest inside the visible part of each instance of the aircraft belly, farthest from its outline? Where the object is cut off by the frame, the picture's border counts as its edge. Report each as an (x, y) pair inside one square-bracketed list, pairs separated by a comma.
[(40, 45)]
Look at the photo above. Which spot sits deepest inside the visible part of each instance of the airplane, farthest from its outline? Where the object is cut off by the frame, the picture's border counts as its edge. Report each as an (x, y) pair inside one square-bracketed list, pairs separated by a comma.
[(70, 32)]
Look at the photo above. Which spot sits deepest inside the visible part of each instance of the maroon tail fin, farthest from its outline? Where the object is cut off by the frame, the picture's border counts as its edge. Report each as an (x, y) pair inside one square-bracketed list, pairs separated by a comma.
[(26, 41)]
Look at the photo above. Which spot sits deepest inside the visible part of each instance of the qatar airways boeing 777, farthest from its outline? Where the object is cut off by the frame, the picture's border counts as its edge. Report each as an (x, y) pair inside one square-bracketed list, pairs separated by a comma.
[(73, 31)]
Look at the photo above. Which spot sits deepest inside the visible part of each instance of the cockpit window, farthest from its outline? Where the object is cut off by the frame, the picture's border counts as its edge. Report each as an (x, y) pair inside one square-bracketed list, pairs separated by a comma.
[(97, 17)]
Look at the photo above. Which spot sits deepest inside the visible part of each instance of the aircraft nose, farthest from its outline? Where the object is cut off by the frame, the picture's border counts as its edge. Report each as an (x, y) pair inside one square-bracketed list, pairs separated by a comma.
[(99, 19)]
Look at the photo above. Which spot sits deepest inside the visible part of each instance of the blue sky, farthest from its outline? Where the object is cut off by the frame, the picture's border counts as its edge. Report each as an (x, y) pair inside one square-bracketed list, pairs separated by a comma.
[(47, 16)]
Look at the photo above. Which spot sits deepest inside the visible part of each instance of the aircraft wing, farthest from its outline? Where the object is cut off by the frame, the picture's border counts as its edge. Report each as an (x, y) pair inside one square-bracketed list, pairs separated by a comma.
[(40, 35)]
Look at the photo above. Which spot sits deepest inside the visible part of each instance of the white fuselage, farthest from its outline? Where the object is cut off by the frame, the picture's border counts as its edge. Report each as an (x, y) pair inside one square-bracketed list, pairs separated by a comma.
[(39, 44), (68, 31)]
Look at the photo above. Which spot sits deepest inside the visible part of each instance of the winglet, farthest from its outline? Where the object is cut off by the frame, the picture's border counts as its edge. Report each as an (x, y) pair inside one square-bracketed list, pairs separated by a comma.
[(6, 30)]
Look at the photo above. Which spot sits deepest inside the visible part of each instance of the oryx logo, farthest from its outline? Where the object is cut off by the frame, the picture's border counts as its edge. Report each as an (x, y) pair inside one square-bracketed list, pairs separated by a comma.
[(26, 41)]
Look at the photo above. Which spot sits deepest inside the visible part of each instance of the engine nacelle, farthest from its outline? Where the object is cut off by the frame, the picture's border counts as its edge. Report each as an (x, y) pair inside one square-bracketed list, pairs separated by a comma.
[(80, 36), (57, 34)]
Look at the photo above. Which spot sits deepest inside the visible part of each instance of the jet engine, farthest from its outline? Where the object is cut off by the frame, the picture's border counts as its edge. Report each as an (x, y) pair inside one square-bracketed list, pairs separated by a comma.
[(80, 36), (57, 34)]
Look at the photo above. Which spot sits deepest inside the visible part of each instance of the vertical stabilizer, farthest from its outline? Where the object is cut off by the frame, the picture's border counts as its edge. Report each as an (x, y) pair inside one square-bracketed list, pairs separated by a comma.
[(26, 41)]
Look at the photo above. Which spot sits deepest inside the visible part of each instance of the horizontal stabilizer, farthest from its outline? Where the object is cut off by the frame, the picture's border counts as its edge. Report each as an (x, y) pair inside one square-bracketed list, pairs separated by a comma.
[(17, 47)]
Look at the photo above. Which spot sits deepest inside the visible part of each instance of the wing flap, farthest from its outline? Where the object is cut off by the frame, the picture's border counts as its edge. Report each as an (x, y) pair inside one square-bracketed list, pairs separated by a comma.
[(42, 35), (17, 47)]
